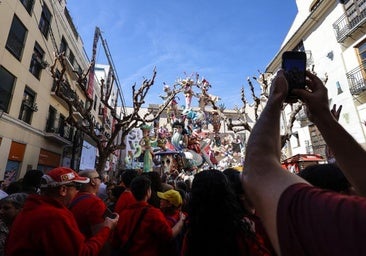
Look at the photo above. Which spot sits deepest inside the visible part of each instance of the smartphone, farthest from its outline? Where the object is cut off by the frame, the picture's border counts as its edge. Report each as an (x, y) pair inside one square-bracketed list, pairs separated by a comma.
[(108, 213), (294, 66)]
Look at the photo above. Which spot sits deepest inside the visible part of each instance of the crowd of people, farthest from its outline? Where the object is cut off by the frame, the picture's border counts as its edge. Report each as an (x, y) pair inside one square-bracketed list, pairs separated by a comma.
[(263, 210)]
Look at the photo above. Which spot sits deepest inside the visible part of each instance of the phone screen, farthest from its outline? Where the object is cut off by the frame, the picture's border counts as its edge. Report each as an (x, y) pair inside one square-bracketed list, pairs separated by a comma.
[(294, 65), (295, 72)]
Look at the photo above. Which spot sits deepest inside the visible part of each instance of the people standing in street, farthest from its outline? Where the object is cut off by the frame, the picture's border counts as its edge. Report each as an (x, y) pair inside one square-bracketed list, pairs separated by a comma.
[(126, 198), (170, 204), (143, 229), (87, 207), (215, 223), (10, 207), (45, 226)]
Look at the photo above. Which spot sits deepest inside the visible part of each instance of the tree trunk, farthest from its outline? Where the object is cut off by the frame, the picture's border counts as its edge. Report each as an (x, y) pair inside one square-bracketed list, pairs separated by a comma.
[(102, 159)]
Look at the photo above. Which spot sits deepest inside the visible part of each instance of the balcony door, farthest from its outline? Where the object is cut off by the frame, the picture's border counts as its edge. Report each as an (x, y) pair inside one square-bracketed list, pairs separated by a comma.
[(361, 51)]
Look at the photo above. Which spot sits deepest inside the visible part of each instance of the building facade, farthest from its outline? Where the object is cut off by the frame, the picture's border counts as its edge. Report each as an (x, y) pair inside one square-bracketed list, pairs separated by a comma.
[(332, 35), (34, 133)]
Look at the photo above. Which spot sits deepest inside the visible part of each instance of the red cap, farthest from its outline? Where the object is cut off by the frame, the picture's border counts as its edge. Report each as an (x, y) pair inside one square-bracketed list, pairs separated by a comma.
[(60, 176)]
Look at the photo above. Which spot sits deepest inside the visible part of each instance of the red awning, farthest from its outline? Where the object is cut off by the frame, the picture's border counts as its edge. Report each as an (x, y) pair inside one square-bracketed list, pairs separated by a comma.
[(304, 158)]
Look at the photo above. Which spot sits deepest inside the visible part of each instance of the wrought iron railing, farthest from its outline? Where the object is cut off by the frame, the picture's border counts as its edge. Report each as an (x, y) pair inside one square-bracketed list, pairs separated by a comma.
[(66, 91), (357, 79), (64, 131), (347, 24)]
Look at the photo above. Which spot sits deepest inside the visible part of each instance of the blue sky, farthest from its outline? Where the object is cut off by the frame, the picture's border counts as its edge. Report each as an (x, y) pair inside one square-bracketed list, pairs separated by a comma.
[(224, 41)]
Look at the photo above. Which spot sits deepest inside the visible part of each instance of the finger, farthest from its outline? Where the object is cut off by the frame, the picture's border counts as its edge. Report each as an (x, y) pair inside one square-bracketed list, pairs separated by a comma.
[(334, 109), (338, 113), (311, 82)]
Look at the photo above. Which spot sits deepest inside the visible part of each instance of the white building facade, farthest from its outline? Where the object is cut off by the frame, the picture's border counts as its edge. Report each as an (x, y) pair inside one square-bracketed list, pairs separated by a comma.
[(332, 35)]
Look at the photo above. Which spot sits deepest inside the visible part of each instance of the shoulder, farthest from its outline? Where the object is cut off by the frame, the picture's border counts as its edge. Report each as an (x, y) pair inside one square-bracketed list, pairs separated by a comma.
[(309, 213), (155, 214), (322, 200), (87, 200)]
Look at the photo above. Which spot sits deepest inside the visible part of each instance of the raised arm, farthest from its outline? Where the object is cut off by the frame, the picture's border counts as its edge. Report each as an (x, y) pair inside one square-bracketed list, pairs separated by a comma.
[(264, 179), (349, 154)]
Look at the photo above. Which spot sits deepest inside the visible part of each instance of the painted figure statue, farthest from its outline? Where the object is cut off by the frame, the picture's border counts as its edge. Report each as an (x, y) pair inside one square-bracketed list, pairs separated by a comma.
[(146, 147)]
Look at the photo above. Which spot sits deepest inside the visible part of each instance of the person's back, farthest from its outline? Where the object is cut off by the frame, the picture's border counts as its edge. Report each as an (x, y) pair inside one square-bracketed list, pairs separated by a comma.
[(153, 231), (87, 208), (40, 227), (152, 235), (306, 213), (126, 198)]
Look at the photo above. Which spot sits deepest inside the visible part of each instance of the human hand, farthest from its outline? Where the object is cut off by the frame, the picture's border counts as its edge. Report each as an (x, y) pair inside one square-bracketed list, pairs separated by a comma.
[(111, 222), (182, 216), (279, 88), (336, 112), (316, 98)]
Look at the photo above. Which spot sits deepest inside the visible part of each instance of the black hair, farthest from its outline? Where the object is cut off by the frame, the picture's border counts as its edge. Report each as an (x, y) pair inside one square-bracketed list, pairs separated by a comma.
[(14, 187), (233, 177), (181, 185), (32, 181), (215, 217), (127, 176), (117, 191), (139, 187), (326, 176), (156, 185)]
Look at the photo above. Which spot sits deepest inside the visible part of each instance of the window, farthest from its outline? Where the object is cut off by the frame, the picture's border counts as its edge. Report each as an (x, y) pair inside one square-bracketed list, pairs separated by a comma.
[(71, 58), (28, 105), (354, 10), (28, 5), (50, 126), (45, 21), (54, 83), (63, 46), (16, 38), (37, 62), (62, 126), (6, 88), (100, 110), (296, 141), (362, 52), (95, 102), (361, 49), (300, 47)]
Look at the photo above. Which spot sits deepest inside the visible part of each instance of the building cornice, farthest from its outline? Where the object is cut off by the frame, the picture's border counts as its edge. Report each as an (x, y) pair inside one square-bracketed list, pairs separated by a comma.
[(317, 13)]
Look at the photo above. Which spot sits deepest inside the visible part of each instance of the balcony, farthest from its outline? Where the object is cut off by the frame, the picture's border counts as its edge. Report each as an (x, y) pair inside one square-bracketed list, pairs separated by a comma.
[(61, 135), (70, 68), (346, 25), (108, 123), (65, 90), (77, 110), (356, 79)]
